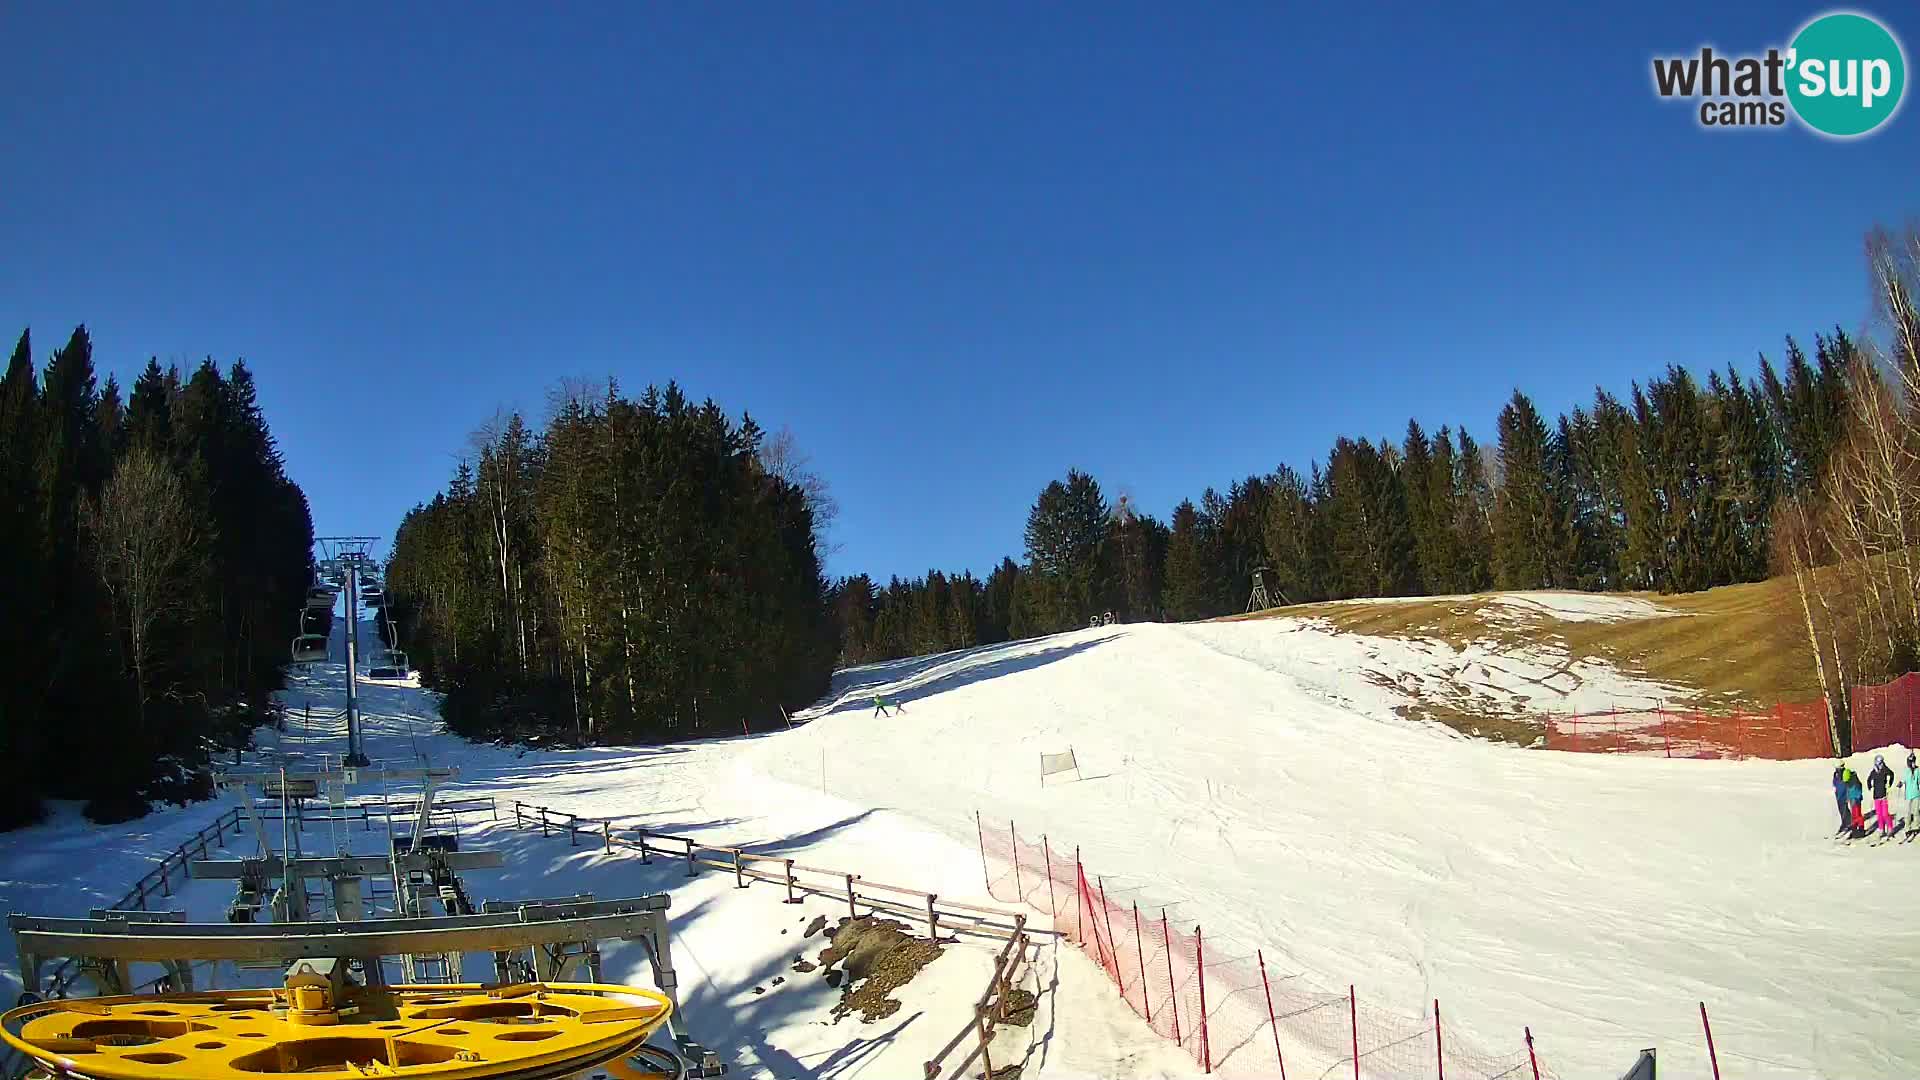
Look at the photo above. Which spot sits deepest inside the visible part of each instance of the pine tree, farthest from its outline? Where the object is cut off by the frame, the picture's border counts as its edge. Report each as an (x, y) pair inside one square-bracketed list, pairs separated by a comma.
[(1474, 526), (1529, 523)]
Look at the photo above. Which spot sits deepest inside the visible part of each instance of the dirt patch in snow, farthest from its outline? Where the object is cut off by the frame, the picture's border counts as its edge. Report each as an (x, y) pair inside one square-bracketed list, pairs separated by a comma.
[(868, 960)]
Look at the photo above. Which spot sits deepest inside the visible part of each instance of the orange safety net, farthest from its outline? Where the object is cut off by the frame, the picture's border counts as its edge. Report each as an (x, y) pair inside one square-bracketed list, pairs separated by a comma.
[(1783, 733), (1224, 1006)]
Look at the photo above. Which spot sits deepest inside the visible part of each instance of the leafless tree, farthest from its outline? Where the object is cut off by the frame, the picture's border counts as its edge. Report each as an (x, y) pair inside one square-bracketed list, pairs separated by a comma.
[(781, 456), (146, 542)]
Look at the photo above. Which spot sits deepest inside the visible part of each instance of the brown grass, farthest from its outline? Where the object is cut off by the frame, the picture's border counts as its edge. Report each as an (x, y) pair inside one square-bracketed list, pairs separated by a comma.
[(1738, 645)]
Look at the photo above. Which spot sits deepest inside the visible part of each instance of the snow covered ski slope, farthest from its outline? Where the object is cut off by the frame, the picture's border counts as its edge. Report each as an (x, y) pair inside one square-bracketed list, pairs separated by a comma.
[(735, 949), (1250, 778), (1254, 777)]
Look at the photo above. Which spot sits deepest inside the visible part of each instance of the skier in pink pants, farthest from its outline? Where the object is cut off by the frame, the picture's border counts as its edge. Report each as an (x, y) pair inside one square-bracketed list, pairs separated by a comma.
[(1879, 780)]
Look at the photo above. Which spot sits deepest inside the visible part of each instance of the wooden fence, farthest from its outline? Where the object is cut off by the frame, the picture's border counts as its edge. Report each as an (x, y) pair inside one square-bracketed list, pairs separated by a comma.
[(989, 1010), (795, 877)]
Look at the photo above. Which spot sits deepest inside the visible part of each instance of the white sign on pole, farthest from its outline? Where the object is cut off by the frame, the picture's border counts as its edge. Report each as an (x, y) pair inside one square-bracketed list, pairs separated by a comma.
[(1058, 763)]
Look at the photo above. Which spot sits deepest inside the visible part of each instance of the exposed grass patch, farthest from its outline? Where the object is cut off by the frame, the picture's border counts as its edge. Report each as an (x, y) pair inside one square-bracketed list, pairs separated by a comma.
[(1735, 646)]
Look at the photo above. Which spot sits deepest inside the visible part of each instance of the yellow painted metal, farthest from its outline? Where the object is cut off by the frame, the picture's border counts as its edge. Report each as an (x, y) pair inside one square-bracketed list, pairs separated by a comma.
[(459, 1031)]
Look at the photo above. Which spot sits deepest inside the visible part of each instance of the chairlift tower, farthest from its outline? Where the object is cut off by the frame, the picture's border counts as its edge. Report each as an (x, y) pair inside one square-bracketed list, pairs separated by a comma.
[(350, 553)]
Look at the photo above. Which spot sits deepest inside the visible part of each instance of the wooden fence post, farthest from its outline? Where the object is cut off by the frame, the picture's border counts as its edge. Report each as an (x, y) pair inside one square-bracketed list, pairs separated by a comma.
[(689, 858), (933, 920), (980, 1024), (645, 855), (606, 832), (791, 898), (573, 830), (851, 914), (739, 871)]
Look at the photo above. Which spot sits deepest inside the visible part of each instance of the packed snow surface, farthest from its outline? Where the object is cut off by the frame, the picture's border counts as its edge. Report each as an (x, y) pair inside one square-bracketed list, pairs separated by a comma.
[(1253, 777)]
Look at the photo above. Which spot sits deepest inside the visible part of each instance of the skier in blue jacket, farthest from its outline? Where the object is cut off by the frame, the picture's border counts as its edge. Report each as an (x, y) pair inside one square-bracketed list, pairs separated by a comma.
[(1911, 782), (1840, 796), (1856, 795)]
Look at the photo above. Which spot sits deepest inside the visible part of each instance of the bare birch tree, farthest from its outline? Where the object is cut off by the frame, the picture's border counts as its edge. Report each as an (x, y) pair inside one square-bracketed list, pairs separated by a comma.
[(146, 545)]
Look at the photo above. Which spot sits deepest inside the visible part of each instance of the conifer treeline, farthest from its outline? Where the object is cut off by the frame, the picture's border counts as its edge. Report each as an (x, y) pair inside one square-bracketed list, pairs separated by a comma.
[(639, 570), (1671, 488), (153, 558)]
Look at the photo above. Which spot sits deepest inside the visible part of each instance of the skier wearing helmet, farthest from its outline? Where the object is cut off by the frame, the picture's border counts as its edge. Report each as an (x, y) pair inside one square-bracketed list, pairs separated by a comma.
[(1840, 795), (1855, 794), (1879, 780), (1912, 784)]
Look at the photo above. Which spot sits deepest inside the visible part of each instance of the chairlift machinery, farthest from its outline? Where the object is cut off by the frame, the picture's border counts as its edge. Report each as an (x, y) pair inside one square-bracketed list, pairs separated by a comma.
[(545, 1015)]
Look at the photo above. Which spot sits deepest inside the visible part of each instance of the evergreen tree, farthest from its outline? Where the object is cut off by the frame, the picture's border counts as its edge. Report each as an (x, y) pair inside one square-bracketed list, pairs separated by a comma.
[(1529, 522), (1194, 582)]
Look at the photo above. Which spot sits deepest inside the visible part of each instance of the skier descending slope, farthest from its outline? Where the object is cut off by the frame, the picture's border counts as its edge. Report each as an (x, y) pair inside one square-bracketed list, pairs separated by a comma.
[(1880, 779)]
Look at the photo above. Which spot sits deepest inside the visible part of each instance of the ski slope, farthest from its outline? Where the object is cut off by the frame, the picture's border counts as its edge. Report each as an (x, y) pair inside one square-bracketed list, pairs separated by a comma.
[(1254, 777), (1236, 775), (730, 945)]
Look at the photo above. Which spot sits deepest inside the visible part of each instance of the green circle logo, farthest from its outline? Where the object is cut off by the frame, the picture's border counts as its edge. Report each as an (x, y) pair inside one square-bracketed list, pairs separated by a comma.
[(1846, 74)]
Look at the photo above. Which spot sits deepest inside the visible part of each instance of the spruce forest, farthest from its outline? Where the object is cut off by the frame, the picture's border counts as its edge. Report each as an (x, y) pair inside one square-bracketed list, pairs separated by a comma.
[(1671, 488), (640, 569), (1803, 467), (156, 557)]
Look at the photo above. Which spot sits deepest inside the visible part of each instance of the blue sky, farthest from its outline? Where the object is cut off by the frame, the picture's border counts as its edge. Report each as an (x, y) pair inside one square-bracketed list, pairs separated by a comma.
[(955, 251)]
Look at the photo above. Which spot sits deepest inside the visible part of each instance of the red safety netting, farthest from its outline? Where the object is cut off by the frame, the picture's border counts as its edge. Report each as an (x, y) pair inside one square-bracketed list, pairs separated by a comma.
[(1783, 733), (1881, 715), (1229, 1008), (1886, 714)]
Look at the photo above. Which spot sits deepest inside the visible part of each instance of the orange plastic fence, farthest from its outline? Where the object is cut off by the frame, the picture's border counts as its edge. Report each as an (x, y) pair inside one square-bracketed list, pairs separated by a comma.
[(1782, 733), (1882, 715), (1886, 714), (1228, 1008)]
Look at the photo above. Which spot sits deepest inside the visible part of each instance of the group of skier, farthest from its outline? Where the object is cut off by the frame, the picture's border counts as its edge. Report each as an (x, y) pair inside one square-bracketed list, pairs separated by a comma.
[(1850, 791)]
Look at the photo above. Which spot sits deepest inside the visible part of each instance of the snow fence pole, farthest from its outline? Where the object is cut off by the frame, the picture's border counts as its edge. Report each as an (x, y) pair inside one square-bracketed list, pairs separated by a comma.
[(1439, 1048), (1711, 1056), (1046, 852), (1531, 1059), (1173, 988), (978, 829), (1106, 916), (1200, 966), (1353, 1017), (1079, 899), (1141, 951), (1019, 893), (1275, 1024)]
